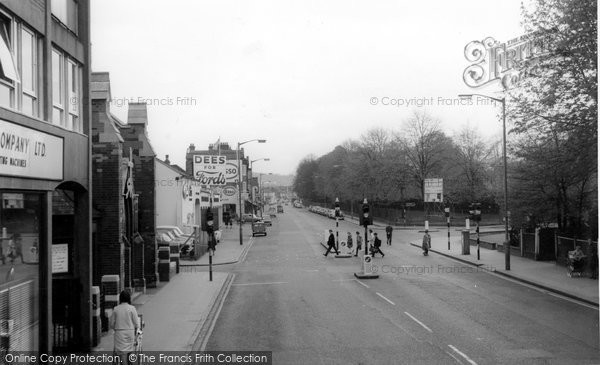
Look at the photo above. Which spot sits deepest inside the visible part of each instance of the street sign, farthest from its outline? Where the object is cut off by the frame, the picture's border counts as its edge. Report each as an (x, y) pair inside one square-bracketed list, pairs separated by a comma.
[(345, 250), (367, 265), (434, 190)]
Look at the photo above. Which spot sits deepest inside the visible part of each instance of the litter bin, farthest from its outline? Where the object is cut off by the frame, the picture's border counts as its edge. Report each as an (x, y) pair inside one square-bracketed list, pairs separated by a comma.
[(466, 242)]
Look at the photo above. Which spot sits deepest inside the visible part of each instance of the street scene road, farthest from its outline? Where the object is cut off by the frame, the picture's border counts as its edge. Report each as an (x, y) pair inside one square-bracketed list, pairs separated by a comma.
[(288, 298)]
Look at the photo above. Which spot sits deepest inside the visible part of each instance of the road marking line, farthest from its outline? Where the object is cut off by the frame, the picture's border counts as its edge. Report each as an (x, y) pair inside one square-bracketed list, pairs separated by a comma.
[(269, 283), (361, 283), (454, 357), (340, 280), (386, 299), (419, 322), (463, 355)]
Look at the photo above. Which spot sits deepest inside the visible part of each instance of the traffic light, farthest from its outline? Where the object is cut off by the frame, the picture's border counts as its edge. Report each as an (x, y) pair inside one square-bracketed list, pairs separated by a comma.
[(366, 218), (209, 221), (337, 207), (475, 212)]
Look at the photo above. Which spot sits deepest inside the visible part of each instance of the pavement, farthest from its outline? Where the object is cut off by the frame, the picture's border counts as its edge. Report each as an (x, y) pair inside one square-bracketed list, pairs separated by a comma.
[(186, 306), (545, 275)]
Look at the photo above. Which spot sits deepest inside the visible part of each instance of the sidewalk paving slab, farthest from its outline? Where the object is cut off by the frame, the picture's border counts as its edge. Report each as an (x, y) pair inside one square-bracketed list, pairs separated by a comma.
[(178, 313), (545, 275)]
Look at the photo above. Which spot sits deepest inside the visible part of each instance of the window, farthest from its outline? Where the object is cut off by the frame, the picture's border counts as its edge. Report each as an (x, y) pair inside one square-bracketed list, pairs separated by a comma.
[(58, 78), (73, 93), (21, 214), (18, 85), (28, 72), (9, 75), (66, 79), (66, 12)]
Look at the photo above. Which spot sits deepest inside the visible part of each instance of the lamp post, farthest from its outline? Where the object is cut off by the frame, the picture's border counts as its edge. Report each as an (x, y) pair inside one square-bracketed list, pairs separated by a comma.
[(240, 180), (261, 195), (259, 187), (337, 214), (506, 213)]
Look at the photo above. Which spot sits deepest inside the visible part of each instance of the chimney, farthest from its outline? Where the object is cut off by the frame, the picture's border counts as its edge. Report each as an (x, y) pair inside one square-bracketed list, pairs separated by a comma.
[(137, 114), (167, 160)]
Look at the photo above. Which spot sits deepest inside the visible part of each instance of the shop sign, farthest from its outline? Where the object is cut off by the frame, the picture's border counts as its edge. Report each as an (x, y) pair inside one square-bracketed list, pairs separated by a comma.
[(26, 152), (210, 170)]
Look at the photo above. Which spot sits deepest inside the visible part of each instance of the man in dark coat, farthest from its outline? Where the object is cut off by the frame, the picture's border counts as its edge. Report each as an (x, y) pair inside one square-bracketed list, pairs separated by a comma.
[(331, 244), (388, 233), (377, 245)]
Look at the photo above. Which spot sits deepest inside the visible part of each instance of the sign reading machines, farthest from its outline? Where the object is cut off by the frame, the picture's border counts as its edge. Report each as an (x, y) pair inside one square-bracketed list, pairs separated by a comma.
[(26, 152)]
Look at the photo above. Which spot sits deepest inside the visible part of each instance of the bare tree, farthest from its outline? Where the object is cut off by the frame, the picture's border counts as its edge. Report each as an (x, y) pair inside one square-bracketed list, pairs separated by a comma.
[(425, 147)]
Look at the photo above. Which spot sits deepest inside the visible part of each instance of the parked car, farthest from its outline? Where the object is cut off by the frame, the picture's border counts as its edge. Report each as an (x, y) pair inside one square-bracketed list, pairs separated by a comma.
[(280, 209), (267, 221), (249, 217)]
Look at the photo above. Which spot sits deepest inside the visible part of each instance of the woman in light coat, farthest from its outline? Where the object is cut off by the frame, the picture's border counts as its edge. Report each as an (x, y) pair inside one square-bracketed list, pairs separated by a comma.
[(125, 322)]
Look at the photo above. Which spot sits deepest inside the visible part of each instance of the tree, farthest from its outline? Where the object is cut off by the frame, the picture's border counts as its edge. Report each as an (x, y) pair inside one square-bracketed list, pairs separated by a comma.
[(554, 110), (425, 147), (470, 161), (304, 184)]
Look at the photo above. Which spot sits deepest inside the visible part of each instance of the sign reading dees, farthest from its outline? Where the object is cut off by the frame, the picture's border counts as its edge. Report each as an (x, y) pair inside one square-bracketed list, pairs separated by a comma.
[(210, 169)]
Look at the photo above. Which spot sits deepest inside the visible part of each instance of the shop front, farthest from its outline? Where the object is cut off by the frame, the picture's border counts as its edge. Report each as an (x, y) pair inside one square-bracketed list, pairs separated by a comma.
[(44, 241)]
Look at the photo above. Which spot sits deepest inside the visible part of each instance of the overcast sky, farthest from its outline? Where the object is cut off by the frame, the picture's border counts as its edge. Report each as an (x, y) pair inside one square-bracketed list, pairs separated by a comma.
[(300, 74)]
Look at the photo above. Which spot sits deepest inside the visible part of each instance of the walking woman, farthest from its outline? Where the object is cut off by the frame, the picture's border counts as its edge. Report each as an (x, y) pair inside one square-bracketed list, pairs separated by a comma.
[(124, 321)]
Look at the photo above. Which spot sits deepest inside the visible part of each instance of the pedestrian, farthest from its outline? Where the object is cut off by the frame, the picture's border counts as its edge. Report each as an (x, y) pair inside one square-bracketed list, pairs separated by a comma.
[(331, 244), (358, 242), (377, 245), (426, 243), (349, 241), (125, 323), (388, 233)]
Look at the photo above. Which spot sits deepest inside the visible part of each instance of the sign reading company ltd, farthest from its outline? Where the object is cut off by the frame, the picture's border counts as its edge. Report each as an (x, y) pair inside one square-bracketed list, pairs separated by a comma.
[(210, 169), (25, 152)]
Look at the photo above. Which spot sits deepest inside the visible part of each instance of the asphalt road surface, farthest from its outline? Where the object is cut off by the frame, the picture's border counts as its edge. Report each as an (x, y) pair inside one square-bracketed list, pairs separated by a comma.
[(309, 309)]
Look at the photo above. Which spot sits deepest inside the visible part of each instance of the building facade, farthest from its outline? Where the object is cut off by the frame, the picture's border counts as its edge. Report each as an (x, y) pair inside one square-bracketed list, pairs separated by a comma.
[(45, 205)]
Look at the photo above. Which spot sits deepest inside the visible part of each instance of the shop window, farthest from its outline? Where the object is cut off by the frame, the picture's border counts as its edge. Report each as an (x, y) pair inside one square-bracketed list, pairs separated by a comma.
[(20, 237)]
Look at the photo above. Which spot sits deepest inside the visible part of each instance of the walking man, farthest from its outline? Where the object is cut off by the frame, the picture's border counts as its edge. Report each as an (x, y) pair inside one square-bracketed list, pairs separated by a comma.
[(358, 243), (426, 243), (388, 233), (377, 245), (331, 244)]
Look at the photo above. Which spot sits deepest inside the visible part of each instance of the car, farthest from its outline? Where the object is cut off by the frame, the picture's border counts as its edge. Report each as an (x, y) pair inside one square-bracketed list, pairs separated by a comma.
[(267, 221), (249, 217), (280, 209), (259, 227)]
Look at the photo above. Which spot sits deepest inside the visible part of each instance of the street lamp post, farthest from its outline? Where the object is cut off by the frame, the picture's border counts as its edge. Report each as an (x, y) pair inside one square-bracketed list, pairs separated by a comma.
[(337, 214), (240, 181), (259, 187), (506, 213)]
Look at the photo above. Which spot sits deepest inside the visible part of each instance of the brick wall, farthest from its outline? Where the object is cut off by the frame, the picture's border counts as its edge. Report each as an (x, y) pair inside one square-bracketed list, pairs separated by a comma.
[(107, 201)]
